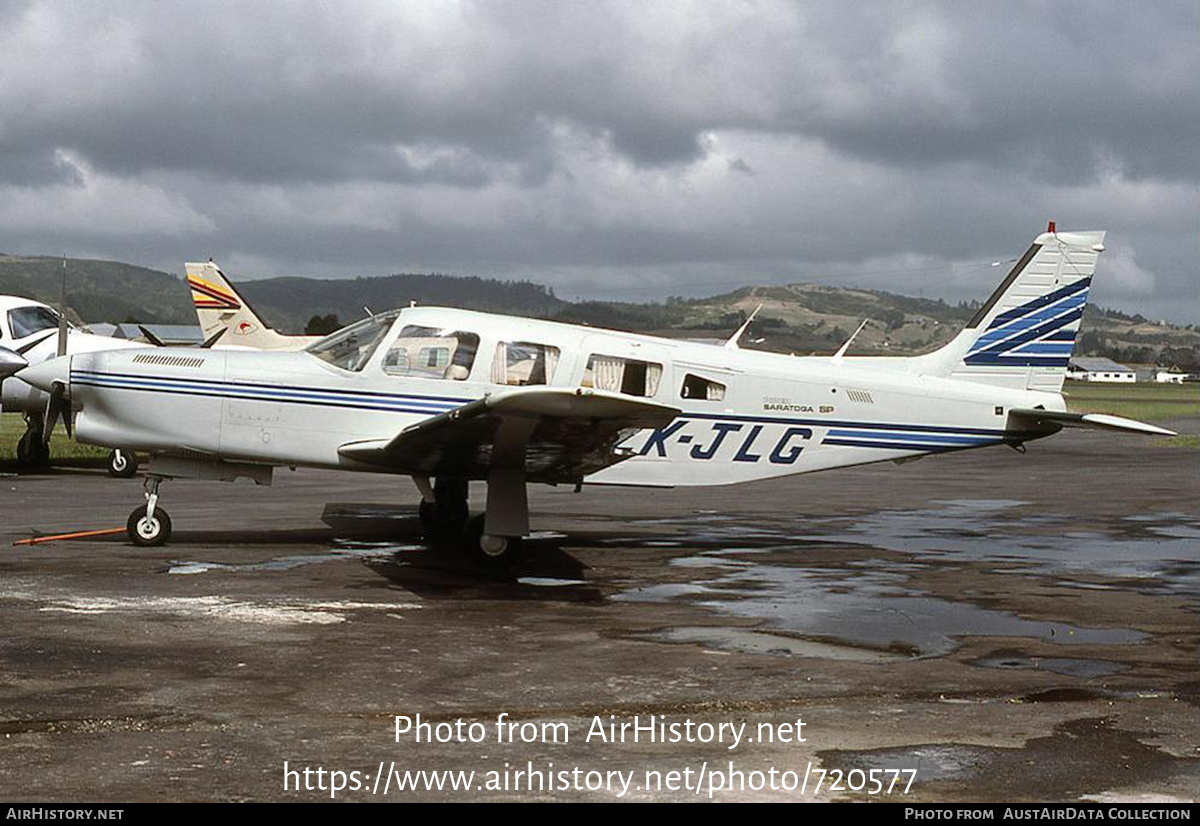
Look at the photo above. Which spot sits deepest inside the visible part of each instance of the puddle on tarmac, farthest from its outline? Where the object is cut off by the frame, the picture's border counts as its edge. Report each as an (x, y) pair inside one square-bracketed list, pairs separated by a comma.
[(873, 603), (1150, 553), (1087, 755), (548, 581), (932, 762), (1160, 557), (1087, 669), (348, 549), (871, 608), (753, 641)]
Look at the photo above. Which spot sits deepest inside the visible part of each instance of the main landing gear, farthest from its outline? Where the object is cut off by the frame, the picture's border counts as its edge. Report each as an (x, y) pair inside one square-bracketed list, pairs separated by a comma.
[(488, 549), (445, 513), (149, 525), (444, 509)]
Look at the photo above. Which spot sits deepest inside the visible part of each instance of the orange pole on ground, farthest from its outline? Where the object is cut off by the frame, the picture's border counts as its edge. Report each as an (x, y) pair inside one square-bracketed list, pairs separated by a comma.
[(37, 540)]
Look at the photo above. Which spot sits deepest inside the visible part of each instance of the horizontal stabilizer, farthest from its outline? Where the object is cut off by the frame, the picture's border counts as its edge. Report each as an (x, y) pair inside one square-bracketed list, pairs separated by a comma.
[(1099, 421)]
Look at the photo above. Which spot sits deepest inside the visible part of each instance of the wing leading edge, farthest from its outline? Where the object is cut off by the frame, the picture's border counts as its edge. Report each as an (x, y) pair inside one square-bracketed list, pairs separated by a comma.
[(557, 434)]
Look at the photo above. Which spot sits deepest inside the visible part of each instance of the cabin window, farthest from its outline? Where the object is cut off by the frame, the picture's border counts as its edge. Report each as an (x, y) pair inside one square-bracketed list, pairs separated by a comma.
[(622, 375), (352, 347), (25, 321), (523, 362), (697, 387), (430, 353)]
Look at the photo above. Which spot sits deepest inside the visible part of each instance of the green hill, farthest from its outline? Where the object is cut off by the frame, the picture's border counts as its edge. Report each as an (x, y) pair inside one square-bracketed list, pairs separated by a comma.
[(99, 290), (798, 318), (288, 303)]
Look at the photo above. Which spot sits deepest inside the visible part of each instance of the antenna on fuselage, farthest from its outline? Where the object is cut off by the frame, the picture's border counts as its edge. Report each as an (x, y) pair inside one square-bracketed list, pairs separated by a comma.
[(837, 357), (367, 310), (732, 344)]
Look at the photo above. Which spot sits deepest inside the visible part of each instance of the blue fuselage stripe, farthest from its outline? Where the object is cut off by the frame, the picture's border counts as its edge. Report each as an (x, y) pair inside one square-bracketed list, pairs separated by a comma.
[(924, 437), (263, 392), (982, 431), (913, 437)]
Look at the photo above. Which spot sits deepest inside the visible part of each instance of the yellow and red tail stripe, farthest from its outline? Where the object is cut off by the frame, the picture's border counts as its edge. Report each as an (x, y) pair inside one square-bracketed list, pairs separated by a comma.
[(211, 297)]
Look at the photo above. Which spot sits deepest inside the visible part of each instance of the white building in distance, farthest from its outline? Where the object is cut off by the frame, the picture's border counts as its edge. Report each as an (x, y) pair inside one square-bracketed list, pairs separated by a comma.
[(1099, 369), (1175, 377)]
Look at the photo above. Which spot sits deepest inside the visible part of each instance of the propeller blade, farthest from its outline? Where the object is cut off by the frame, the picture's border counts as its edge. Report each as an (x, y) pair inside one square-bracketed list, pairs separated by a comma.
[(57, 405), (150, 337), (213, 339), (50, 416)]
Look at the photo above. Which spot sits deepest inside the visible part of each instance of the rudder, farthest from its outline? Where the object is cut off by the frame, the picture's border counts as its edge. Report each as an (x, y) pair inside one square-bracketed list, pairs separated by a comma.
[(218, 306), (1024, 334)]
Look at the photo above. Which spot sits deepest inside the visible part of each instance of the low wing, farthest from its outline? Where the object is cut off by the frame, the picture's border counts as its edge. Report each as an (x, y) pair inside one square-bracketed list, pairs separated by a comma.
[(1053, 420), (565, 434)]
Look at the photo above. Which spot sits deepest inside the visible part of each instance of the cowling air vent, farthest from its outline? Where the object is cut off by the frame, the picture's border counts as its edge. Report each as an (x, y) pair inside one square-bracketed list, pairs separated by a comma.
[(168, 361), (860, 396)]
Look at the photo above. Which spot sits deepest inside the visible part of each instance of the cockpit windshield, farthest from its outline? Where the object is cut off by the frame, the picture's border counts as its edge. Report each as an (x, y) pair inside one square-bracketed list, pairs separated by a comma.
[(25, 321), (352, 347)]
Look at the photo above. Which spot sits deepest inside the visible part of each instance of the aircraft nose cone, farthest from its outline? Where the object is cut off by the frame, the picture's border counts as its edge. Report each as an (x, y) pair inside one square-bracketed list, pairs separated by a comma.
[(10, 362), (43, 376)]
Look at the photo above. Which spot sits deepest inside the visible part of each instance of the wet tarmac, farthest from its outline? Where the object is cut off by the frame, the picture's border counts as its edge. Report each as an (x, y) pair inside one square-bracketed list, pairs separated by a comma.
[(1011, 627)]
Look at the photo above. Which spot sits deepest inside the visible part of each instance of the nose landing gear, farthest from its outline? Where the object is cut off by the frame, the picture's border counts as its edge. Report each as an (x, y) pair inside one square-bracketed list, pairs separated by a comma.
[(149, 525)]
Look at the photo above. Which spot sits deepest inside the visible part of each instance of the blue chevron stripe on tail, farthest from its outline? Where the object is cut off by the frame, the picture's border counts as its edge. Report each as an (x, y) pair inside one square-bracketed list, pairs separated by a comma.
[(1024, 334)]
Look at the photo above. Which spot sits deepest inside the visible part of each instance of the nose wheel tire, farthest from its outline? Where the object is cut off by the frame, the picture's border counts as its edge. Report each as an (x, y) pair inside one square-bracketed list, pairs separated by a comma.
[(148, 532), (122, 464)]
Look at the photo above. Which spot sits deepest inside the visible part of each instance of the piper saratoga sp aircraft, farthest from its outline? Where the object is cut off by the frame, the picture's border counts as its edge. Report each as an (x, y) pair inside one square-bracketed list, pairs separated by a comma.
[(449, 396)]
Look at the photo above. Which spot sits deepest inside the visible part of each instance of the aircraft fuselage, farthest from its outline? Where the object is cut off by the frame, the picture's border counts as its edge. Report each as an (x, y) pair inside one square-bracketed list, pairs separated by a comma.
[(745, 415)]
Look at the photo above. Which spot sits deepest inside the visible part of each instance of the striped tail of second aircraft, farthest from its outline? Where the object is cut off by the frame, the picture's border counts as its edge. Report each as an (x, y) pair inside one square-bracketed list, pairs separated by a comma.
[(219, 307)]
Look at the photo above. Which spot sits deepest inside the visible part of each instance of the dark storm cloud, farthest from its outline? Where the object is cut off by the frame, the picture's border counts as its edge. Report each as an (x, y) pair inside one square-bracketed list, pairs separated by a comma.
[(303, 92), (566, 140)]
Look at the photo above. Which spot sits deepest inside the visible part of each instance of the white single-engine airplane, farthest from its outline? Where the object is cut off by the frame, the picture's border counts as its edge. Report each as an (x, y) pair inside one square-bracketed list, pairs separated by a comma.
[(451, 396)]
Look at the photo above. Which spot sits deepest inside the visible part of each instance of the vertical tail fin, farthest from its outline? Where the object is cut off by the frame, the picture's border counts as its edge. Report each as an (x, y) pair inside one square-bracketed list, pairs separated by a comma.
[(1023, 335), (218, 306)]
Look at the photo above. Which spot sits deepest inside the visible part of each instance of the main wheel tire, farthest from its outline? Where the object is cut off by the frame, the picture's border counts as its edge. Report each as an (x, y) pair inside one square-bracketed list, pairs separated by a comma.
[(148, 533), (425, 511), (32, 452), (122, 464), (443, 517), (488, 550)]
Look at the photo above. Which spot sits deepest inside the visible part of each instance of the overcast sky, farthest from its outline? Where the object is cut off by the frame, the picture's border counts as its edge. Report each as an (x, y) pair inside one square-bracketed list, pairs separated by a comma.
[(612, 150)]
